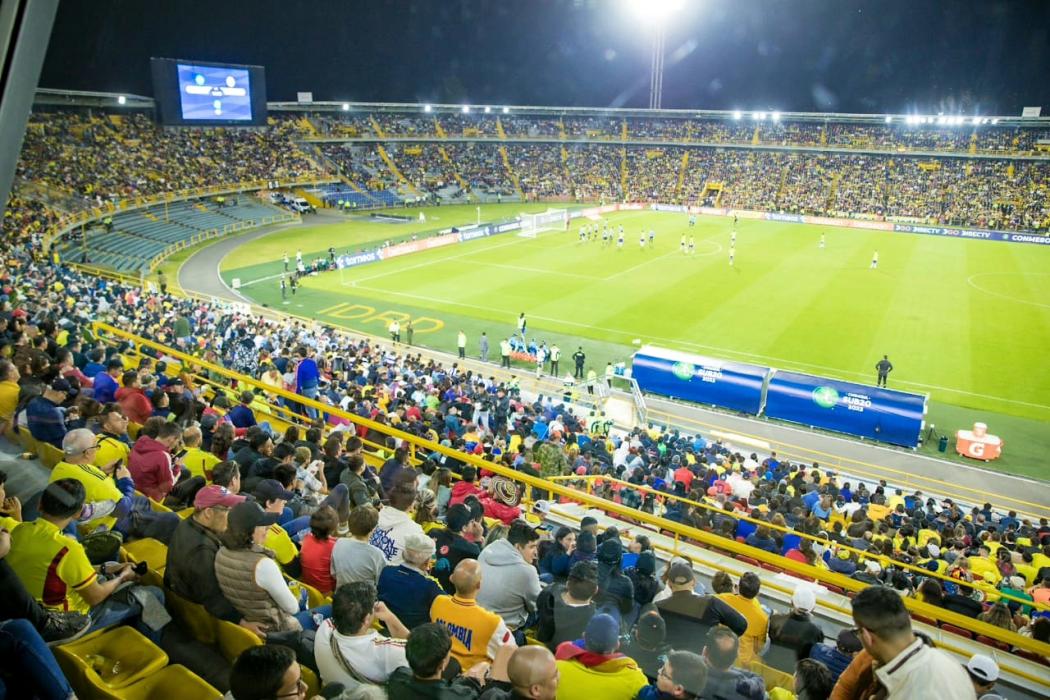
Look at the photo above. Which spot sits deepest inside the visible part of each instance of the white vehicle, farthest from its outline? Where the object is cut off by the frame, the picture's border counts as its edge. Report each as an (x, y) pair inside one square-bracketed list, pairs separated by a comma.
[(276, 198), (300, 205)]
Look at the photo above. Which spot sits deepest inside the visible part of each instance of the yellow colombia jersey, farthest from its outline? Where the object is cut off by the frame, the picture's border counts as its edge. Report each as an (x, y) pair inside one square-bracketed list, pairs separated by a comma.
[(199, 462), (111, 450), (476, 632), (97, 487), (284, 549), (51, 565)]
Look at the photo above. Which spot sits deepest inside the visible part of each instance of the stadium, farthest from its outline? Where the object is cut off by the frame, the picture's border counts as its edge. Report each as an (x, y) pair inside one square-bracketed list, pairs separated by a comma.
[(503, 398)]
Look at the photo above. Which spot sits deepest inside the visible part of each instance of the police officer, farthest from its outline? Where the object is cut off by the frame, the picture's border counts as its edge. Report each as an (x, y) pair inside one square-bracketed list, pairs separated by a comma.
[(884, 367), (579, 358)]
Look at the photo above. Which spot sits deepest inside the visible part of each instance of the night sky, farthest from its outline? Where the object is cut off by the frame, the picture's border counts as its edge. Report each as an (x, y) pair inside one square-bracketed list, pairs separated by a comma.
[(791, 55)]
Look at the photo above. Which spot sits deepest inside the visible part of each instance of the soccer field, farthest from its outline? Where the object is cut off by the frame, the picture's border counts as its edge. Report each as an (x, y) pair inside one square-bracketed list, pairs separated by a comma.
[(967, 321)]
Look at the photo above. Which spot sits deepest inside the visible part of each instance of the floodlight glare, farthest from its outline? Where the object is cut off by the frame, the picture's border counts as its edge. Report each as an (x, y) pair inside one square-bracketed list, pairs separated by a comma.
[(466, 109), (737, 115), (776, 116), (121, 99), (488, 110), (506, 110), (995, 121), (346, 106), (888, 119), (654, 12), (427, 108)]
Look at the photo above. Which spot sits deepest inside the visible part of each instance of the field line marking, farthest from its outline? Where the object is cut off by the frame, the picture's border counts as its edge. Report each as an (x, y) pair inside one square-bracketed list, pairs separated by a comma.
[(671, 341), (970, 281)]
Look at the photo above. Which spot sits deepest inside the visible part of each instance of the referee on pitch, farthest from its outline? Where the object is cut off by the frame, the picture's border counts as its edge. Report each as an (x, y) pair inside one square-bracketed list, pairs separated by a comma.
[(884, 367)]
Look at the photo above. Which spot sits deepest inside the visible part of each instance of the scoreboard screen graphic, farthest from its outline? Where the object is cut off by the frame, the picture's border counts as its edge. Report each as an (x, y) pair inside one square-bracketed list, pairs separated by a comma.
[(208, 93)]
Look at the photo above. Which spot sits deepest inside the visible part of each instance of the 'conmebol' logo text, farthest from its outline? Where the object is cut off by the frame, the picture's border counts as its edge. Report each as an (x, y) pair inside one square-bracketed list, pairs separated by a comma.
[(682, 370), (825, 397)]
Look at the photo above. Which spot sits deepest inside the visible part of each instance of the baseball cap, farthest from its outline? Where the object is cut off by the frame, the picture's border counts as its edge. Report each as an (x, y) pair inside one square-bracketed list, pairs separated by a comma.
[(215, 495), (680, 573), (249, 515), (848, 642), (983, 668), (650, 630), (933, 550), (602, 635), (60, 384), (271, 490), (804, 599), (542, 507)]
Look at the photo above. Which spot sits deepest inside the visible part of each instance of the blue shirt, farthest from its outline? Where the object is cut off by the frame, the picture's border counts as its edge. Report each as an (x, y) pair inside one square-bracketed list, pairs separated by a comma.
[(306, 375), (105, 388), (46, 421), (831, 657), (241, 416), (408, 594)]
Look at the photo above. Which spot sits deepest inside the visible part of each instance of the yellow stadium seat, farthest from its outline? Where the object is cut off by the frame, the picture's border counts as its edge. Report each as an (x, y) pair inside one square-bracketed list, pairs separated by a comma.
[(173, 682), (774, 678), (27, 441), (49, 454), (153, 552), (185, 512), (233, 639), (314, 597), (313, 683), (115, 659), (194, 616), (133, 430)]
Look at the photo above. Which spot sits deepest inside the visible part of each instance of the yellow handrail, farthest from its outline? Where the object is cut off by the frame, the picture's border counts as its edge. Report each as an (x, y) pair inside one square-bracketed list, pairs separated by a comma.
[(704, 538)]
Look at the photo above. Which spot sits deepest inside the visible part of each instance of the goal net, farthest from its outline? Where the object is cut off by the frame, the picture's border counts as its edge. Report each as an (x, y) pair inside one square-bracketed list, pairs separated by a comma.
[(550, 220)]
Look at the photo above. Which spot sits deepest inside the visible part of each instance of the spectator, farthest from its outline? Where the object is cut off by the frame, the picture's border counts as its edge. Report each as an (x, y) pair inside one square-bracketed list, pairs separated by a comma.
[(477, 634), (315, 554), (689, 615), (266, 671), (643, 578), (362, 492), (724, 680), (9, 389), (250, 578), (55, 569), (348, 648), (452, 543), (930, 591), (393, 469), (682, 677), (647, 645), (429, 650), (395, 524), (45, 418), (242, 415), (152, 465), (407, 589), (596, 668), (132, 399), (563, 610), (615, 590), (105, 383), (745, 602), (813, 681), (837, 658), (196, 460), (510, 583), (983, 673), (793, 634), (465, 486), (532, 674), (907, 667), (353, 558), (555, 560)]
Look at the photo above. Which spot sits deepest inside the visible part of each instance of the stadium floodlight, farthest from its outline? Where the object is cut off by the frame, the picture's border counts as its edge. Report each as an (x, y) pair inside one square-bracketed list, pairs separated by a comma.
[(488, 110), (346, 106), (775, 116), (888, 119), (737, 114), (655, 14), (427, 108), (995, 120), (121, 99), (506, 110), (466, 109)]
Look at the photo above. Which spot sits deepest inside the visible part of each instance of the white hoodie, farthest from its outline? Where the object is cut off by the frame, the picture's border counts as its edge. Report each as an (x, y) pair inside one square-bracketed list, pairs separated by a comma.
[(390, 534)]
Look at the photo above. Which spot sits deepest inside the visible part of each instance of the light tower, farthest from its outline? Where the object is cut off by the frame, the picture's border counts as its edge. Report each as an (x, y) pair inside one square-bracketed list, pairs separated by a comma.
[(655, 14)]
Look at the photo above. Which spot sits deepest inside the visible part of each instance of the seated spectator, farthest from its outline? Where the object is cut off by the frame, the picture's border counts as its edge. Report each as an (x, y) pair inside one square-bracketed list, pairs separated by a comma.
[(315, 553), (762, 539), (724, 680), (745, 602), (354, 476), (930, 591), (395, 524), (465, 486), (682, 677), (813, 681), (595, 668), (906, 666), (648, 646), (793, 634), (55, 569), (563, 610), (44, 415), (689, 615), (477, 634), (348, 648), (105, 383), (643, 578), (132, 399), (353, 558), (394, 469), (266, 671), (532, 674), (242, 415), (408, 589), (509, 581), (273, 497), (28, 668), (198, 461), (9, 391), (152, 464), (452, 543), (429, 651), (250, 578), (615, 590), (837, 658), (555, 559)]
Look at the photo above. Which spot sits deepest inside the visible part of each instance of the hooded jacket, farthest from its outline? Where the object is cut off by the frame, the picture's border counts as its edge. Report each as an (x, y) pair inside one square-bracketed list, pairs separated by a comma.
[(151, 468), (509, 584), (134, 403), (606, 676), (613, 587), (462, 489)]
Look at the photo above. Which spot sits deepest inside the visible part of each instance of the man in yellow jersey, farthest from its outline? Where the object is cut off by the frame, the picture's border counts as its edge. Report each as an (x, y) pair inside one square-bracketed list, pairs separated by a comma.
[(199, 462), (745, 602), (476, 633), (113, 441)]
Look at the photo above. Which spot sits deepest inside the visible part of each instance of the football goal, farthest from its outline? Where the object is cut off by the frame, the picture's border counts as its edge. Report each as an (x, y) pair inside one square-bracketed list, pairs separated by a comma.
[(550, 220)]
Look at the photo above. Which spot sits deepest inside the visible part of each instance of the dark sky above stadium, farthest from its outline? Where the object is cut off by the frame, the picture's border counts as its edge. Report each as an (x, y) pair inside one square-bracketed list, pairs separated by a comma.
[(893, 56)]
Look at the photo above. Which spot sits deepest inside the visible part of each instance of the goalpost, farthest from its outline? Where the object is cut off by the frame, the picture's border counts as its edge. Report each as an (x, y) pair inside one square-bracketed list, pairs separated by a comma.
[(550, 220)]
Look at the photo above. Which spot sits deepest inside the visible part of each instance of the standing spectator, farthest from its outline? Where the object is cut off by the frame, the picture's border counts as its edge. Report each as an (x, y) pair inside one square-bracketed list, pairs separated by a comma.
[(682, 677), (477, 634), (793, 634), (745, 602), (47, 421), (689, 615), (725, 680), (597, 669), (837, 658), (395, 524), (408, 589), (510, 582), (615, 590), (307, 378), (565, 610), (353, 558), (907, 667), (349, 649)]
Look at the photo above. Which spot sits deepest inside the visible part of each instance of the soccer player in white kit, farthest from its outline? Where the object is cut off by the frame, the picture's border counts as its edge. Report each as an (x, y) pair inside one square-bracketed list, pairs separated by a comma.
[(681, 244), (641, 240), (822, 241), (619, 242), (875, 260), (732, 254), (652, 238), (692, 245)]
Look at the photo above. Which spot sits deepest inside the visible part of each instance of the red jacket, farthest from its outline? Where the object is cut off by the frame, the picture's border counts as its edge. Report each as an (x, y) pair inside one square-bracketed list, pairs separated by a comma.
[(152, 468), (501, 511), (134, 403), (462, 489)]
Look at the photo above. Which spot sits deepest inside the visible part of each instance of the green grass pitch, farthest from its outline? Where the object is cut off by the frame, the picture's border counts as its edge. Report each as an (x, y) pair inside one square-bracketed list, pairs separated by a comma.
[(967, 321)]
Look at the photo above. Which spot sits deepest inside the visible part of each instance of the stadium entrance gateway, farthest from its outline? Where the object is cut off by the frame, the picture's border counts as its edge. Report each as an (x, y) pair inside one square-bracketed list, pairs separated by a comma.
[(362, 313)]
